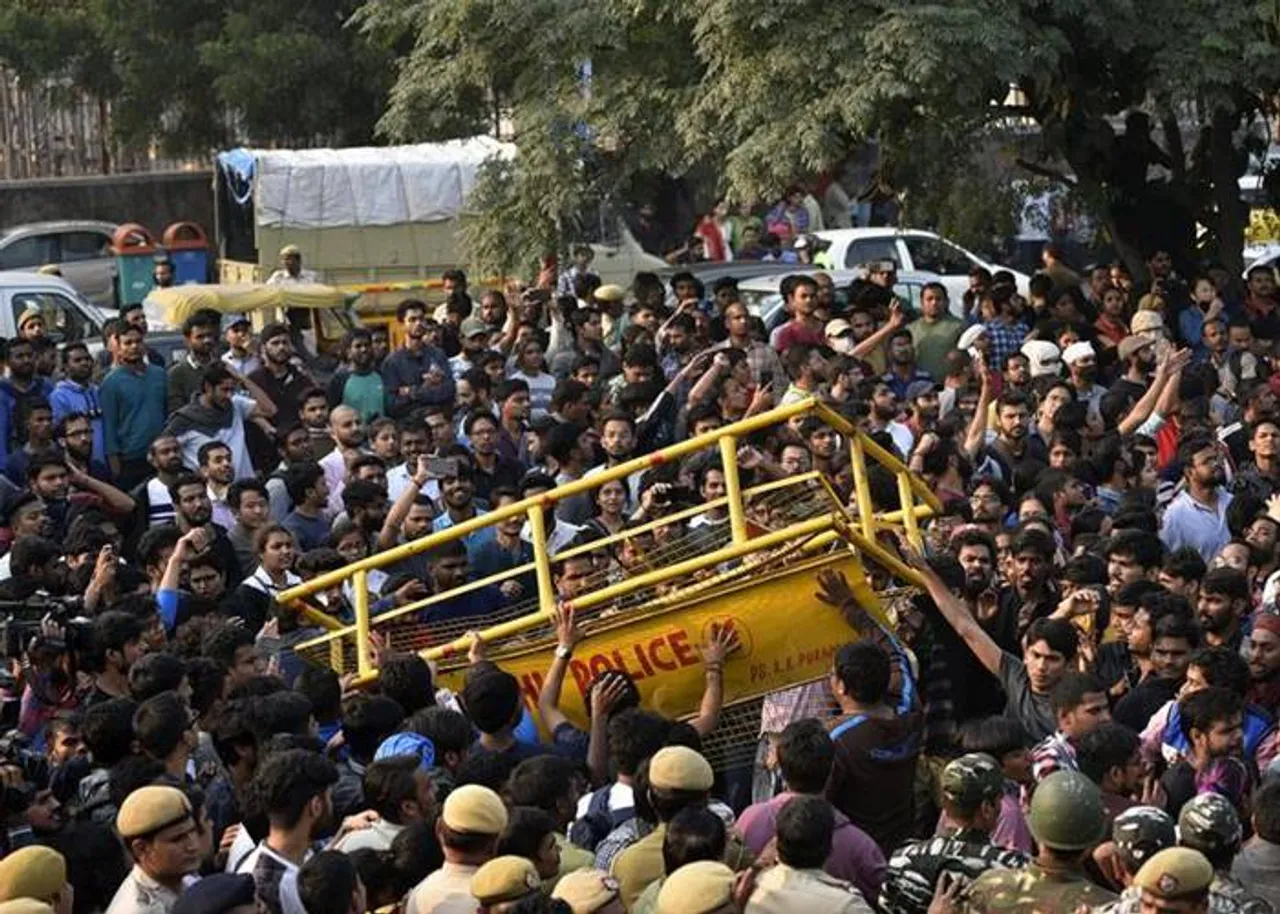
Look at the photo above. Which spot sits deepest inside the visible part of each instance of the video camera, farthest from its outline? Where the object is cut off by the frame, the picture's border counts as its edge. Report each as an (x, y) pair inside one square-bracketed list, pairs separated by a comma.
[(22, 625)]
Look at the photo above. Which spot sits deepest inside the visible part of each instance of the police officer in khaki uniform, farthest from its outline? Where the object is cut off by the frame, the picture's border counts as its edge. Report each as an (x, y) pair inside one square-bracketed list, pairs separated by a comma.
[(678, 778), (468, 829), (501, 883), (161, 835), (1175, 881), (705, 887), (797, 882), (1067, 819), (39, 873), (589, 892)]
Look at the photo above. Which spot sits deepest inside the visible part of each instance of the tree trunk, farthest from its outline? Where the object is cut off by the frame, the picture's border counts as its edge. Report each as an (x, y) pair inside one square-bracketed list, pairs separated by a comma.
[(1224, 173)]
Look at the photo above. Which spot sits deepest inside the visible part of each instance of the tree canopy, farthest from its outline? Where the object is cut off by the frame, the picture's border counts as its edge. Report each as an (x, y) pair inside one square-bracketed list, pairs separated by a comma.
[(760, 94)]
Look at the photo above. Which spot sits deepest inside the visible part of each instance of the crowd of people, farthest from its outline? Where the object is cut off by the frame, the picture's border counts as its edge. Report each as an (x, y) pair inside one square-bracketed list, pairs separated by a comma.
[(1076, 709)]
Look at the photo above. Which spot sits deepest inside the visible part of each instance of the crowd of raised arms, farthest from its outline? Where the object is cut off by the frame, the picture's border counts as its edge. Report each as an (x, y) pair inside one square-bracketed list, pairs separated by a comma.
[(1076, 711)]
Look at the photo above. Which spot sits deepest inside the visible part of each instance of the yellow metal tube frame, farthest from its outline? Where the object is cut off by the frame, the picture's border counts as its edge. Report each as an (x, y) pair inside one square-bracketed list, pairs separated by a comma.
[(909, 488)]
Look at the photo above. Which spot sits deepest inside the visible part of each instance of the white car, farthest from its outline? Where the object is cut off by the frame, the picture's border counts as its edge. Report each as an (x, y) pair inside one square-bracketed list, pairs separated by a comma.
[(763, 297), (914, 250)]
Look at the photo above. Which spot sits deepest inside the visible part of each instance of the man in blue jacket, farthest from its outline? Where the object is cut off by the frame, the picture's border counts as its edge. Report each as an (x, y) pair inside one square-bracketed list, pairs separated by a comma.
[(417, 374), (76, 393)]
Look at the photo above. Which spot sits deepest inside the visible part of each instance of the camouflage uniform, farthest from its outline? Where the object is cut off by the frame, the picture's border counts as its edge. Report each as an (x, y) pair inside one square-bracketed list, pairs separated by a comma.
[(1139, 833), (1066, 815), (1210, 824), (914, 868)]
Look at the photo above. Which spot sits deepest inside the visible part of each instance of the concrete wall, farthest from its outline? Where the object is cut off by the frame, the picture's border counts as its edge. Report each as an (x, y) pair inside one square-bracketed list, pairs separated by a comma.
[(154, 199)]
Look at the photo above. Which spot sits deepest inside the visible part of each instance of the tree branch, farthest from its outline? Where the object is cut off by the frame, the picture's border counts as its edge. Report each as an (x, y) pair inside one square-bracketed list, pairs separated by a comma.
[(1045, 172)]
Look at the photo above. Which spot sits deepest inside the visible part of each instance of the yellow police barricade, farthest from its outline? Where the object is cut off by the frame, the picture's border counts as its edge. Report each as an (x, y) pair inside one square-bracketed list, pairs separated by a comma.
[(658, 590)]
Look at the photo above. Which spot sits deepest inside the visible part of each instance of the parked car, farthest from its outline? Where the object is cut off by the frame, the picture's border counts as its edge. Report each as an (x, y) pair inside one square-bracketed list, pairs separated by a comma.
[(763, 297), (68, 316), (911, 249), (80, 248)]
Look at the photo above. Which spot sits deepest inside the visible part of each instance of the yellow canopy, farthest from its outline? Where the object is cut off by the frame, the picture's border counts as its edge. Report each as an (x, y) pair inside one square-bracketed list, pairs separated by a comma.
[(174, 305)]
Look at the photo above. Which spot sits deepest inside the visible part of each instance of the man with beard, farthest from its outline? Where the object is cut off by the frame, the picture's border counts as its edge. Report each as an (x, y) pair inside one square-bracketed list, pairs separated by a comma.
[(154, 506), (1263, 654), (1029, 593), (799, 295), (1011, 449), (294, 789), (74, 435), (492, 469), (1049, 648), (807, 370), (1132, 555), (418, 373), (922, 403), (902, 371), (348, 433), (883, 417), (279, 381), (935, 332), (219, 414), (1213, 720), (1261, 477), (76, 393), (215, 464), (1222, 606), (200, 336), (1138, 361), (22, 389), (989, 502), (459, 490), (1197, 516), (1080, 705), (190, 494)]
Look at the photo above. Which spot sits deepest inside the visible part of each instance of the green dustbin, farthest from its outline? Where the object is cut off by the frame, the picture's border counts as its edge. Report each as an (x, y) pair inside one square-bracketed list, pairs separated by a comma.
[(135, 251)]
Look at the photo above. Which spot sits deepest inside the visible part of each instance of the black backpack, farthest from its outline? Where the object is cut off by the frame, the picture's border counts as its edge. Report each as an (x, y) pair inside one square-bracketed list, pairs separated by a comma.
[(594, 826)]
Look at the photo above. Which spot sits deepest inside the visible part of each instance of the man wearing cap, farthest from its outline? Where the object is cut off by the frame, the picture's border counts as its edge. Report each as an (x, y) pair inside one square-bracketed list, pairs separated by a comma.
[(291, 268), (39, 873), (468, 828), (678, 777), (1174, 881), (704, 887), (161, 835), (936, 331), (238, 333), (589, 892), (1067, 819), (1044, 359), (473, 334), (1082, 372), (501, 883), (1137, 834), (220, 893), (972, 791)]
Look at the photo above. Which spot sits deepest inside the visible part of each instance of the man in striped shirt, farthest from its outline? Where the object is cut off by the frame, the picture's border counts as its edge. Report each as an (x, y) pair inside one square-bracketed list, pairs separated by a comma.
[(1080, 705)]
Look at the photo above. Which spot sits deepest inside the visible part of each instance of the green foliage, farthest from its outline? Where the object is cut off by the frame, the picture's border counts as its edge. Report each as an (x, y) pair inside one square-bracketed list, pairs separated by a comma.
[(201, 74)]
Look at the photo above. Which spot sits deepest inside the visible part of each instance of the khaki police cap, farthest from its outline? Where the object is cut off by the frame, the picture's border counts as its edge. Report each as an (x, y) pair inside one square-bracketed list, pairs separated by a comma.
[(149, 809), (696, 888), (28, 315), (290, 250), (610, 292), (680, 768), (504, 879), (1175, 872), (586, 891), (25, 906), (32, 872), (476, 809)]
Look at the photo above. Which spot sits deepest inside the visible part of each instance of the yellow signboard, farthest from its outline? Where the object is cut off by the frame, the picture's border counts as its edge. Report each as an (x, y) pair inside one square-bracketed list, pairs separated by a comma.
[(786, 636)]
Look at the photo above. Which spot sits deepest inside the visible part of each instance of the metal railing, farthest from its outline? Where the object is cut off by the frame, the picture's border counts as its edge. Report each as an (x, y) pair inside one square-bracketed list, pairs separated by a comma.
[(812, 516)]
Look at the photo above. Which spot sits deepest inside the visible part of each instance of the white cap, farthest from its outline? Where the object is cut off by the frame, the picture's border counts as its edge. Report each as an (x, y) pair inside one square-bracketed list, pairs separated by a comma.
[(970, 336), (1077, 351), (1045, 358)]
